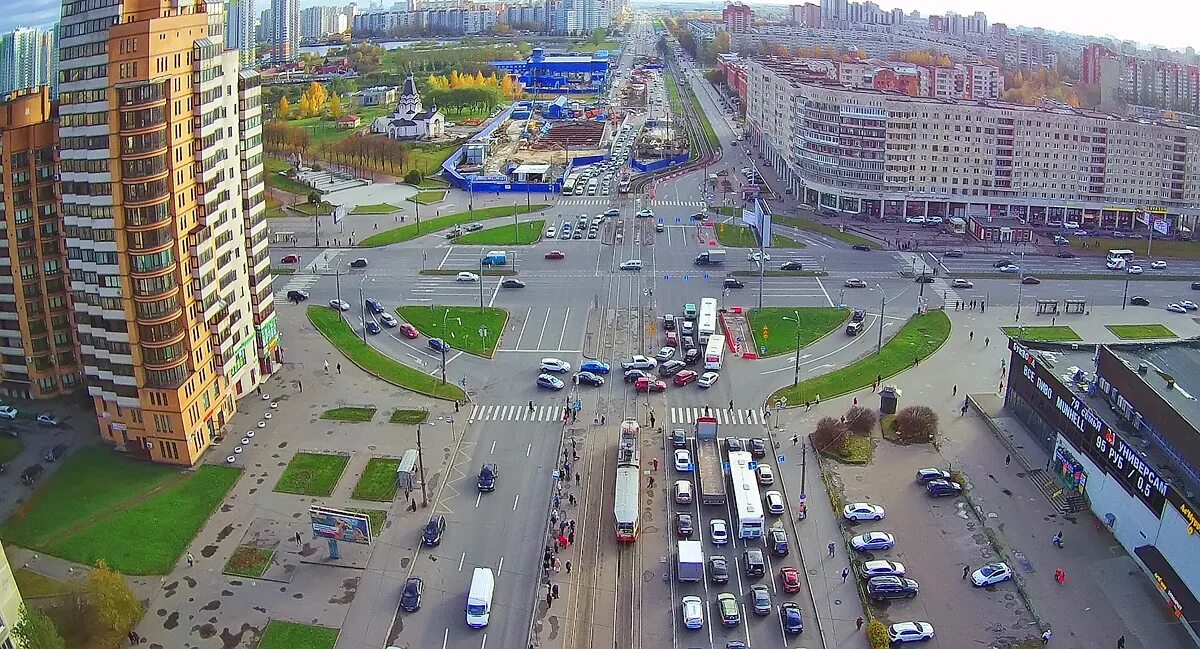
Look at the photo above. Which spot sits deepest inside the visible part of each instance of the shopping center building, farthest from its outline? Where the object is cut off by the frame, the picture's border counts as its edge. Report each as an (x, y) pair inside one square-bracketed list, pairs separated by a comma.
[(863, 151), (1118, 422)]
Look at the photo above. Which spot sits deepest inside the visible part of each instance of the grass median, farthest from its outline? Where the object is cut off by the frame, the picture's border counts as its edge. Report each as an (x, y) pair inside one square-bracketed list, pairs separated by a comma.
[(519, 234), (708, 128), (1141, 331), (377, 482), (741, 236), (349, 413), (370, 360), (312, 474), (782, 328), (414, 230), (919, 338), (462, 325), (1042, 334), (375, 208), (821, 228), (1160, 247), (428, 197), (291, 635)]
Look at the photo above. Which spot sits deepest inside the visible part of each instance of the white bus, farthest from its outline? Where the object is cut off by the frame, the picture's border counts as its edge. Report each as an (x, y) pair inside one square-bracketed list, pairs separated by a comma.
[(706, 324), (750, 522), (1118, 259), (568, 186), (714, 352)]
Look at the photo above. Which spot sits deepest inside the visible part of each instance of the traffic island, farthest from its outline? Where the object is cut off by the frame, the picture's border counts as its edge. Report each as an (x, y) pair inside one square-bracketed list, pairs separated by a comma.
[(428, 197), (1042, 334), (426, 226), (741, 236), (349, 413), (248, 561), (487, 272), (374, 208), (519, 234), (465, 328), (781, 330), (406, 416), (828, 230)]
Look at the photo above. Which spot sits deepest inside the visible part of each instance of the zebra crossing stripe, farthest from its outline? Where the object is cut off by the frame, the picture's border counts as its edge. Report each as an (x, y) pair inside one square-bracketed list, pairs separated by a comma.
[(739, 417)]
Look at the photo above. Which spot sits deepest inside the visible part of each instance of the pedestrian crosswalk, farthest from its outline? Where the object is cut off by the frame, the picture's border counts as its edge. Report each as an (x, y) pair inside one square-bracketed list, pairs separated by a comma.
[(521, 412), (608, 202), (297, 283), (725, 416), (679, 415)]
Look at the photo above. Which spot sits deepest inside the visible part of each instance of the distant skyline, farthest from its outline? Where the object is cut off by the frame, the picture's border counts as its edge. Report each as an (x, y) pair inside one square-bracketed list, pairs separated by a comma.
[(1150, 22)]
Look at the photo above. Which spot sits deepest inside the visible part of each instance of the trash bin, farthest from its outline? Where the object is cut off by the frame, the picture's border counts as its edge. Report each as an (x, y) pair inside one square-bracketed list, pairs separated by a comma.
[(888, 397)]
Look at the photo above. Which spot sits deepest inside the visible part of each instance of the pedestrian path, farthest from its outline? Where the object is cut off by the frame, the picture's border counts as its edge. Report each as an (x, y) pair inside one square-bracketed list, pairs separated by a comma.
[(725, 416), (516, 412)]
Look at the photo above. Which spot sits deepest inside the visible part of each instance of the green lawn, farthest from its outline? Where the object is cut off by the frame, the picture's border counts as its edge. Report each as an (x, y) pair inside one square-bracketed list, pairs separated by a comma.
[(428, 158), (431, 182), (273, 167), (1160, 247), (249, 561), (33, 585), (322, 129), (378, 480), (858, 450), (780, 323), (920, 337), (741, 236), (291, 635), (274, 208), (412, 417), (414, 230), (312, 474), (10, 447), (462, 325), (375, 208), (821, 228), (1140, 331), (428, 197), (97, 505), (521, 234), (1042, 334), (708, 129), (334, 328), (349, 413), (324, 208)]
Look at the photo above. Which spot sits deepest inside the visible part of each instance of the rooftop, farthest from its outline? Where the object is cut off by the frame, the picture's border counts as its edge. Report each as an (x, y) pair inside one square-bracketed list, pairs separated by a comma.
[(1180, 361)]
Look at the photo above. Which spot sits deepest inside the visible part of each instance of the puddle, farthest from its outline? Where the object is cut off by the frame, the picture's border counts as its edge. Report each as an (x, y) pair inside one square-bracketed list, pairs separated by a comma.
[(224, 533), (208, 551), (349, 589), (211, 606), (172, 621), (205, 631)]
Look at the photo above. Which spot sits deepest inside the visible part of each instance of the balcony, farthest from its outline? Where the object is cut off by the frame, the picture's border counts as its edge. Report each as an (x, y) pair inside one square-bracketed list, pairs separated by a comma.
[(143, 119), (150, 240), (140, 168), (168, 379), (147, 192), (157, 310), (136, 145), (140, 95), (158, 335)]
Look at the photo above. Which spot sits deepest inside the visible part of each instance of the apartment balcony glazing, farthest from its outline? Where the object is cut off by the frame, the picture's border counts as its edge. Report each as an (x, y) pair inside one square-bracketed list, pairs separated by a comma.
[(145, 143), (143, 94), (144, 193), (162, 334), (141, 218), (152, 264), (154, 311), (143, 119), (144, 168), (168, 379), (150, 240)]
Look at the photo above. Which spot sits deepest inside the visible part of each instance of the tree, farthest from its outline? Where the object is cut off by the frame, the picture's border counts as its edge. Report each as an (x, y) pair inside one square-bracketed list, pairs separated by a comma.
[(116, 608), (335, 106), (860, 421), (916, 424), (830, 436), (413, 177), (721, 42), (597, 36), (35, 630), (285, 108), (314, 198)]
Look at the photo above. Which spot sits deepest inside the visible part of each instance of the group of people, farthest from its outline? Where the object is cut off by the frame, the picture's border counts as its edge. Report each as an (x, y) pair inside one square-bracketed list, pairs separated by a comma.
[(561, 534)]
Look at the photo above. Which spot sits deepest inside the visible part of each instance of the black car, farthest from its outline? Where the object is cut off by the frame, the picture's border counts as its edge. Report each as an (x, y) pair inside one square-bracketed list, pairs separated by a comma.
[(359, 263), (791, 265), (683, 525), (1001, 263), (669, 322), (432, 535), (678, 438), (1196, 286), (733, 282), (718, 570), (953, 253), (861, 246), (487, 477), (411, 599), (939, 488), (733, 444), (512, 282), (631, 376), (55, 453), (297, 296), (671, 368), (858, 315), (1065, 255), (1138, 300), (891, 587), (691, 356), (755, 565), (925, 278), (588, 378), (758, 447)]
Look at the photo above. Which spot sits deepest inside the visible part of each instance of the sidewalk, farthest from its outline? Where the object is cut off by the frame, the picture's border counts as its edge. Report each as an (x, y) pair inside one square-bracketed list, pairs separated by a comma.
[(1105, 596)]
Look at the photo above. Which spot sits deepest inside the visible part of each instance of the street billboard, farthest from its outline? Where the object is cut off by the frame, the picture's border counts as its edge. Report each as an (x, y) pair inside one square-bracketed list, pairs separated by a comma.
[(340, 525), (759, 218)]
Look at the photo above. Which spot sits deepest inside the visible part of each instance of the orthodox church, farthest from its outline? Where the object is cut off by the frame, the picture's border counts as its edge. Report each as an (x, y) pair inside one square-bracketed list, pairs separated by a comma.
[(411, 121)]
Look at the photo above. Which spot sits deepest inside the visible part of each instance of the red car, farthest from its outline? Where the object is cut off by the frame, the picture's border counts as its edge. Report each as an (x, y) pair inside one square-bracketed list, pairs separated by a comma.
[(555, 254), (647, 384), (790, 578), (672, 339), (685, 376), (408, 330), (290, 259)]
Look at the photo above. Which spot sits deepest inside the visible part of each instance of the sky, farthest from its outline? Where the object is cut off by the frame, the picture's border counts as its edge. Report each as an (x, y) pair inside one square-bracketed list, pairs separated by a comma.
[(1171, 23)]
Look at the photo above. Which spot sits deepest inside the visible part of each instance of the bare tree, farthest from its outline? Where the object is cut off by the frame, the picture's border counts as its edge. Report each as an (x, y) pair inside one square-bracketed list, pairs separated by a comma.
[(830, 435), (860, 421), (916, 424)]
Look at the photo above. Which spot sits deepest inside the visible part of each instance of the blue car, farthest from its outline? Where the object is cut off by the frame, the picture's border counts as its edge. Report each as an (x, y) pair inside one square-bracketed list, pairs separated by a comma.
[(438, 345), (793, 621), (595, 367), (373, 327)]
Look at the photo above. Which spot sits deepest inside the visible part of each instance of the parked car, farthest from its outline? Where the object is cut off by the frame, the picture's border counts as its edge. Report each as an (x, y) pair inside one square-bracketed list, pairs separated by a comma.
[(910, 632), (891, 587), (47, 419), (924, 476), (339, 305), (863, 512), (55, 453), (992, 573), (880, 568), (410, 600), (939, 488), (873, 541), (1176, 308), (855, 282)]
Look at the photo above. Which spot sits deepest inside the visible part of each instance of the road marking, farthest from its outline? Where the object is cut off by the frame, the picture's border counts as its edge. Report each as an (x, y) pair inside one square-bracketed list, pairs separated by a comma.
[(478, 498), (528, 451), (564, 328), (544, 323), (493, 449), (495, 291), (499, 569), (524, 324), (541, 351), (516, 499), (484, 645), (448, 250)]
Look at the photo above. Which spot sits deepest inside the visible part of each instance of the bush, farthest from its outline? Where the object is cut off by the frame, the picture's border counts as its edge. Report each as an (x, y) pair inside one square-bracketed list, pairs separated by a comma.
[(413, 177), (877, 635), (860, 421), (916, 424), (830, 436)]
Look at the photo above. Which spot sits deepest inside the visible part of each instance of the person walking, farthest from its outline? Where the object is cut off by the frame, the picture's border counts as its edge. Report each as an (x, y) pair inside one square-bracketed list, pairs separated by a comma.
[(191, 560), (1007, 459), (795, 439), (832, 547), (1046, 636), (845, 574), (966, 571), (571, 538), (568, 566), (654, 463), (577, 479), (954, 392), (651, 485), (555, 590), (549, 599), (731, 404), (858, 623), (1058, 540), (300, 385), (299, 542), (987, 340), (1121, 642), (327, 366), (972, 336), (339, 368)]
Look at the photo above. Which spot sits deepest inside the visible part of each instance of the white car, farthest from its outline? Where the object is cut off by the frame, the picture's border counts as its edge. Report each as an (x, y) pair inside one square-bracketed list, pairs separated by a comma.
[(1176, 308), (1011, 268), (1158, 265), (466, 277), (1134, 270), (554, 365), (388, 319), (775, 503), (863, 512), (766, 476), (1071, 225), (910, 632), (881, 568), (753, 255), (339, 305), (707, 379), (683, 460), (962, 283), (551, 232), (855, 282), (873, 541), (8, 412), (718, 531), (992, 573), (693, 612), (936, 220), (646, 213), (1188, 304), (914, 219)]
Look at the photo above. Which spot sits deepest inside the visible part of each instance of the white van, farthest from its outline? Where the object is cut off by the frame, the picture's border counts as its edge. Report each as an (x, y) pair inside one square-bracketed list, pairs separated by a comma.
[(632, 264), (479, 599)]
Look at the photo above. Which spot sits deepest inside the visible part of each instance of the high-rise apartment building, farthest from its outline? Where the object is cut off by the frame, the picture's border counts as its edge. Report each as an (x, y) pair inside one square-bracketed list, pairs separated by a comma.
[(284, 31), (316, 22), (24, 59), (162, 201), (10, 601), (239, 31), (737, 18), (40, 352)]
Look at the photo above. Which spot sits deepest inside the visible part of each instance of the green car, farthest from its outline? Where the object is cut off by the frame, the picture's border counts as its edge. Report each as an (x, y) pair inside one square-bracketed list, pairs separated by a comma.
[(731, 613)]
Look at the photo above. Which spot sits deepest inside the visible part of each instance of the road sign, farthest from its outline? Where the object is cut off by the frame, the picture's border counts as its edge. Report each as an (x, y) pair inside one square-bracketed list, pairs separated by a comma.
[(740, 339), (766, 332), (763, 349), (780, 459), (482, 331), (706, 276), (778, 404), (666, 277), (752, 465), (578, 405), (678, 220), (685, 278), (725, 466)]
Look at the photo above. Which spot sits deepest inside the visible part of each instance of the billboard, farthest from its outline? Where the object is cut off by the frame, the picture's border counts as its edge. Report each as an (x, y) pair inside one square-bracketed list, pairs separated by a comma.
[(340, 525), (759, 218)]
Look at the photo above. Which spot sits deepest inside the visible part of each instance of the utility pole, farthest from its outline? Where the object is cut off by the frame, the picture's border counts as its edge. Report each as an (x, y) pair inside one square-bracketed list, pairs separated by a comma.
[(882, 305), (445, 317), (1125, 296), (337, 281), (421, 461), (363, 307), (796, 376), (762, 255), (803, 466), (481, 280)]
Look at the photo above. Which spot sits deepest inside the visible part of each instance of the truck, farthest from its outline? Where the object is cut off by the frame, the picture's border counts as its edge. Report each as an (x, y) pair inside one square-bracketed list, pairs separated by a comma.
[(710, 258), (495, 258), (691, 561), (708, 462)]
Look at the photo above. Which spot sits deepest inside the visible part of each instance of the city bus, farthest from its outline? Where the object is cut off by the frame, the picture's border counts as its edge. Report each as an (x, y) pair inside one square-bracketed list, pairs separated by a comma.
[(1118, 259), (714, 352), (624, 188), (568, 186), (750, 523), (706, 324)]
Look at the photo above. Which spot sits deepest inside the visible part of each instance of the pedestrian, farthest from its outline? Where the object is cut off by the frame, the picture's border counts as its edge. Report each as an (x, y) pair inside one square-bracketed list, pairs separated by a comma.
[(300, 385), (955, 391), (326, 366), (191, 560), (555, 590), (795, 439), (557, 500), (858, 623), (549, 599), (987, 340), (963, 410), (557, 565), (654, 463), (531, 404), (571, 499), (339, 368), (456, 405), (651, 420), (572, 524), (831, 548), (567, 466), (856, 401), (568, 566), (1121, 642), (577, 479), (966, 571), (972, 336), (807, 406), (299, 542), (916, 361), (1046, 636), (845, 574), (573, 443), (602, 418), (1007, 459), (571, 539), (1058, 540), (651, 482), (731, 404), (132, 637), (565, 455)]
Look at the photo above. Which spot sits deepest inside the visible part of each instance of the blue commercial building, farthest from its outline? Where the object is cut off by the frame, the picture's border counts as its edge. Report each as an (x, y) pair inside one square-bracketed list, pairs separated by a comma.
[(559, 73)]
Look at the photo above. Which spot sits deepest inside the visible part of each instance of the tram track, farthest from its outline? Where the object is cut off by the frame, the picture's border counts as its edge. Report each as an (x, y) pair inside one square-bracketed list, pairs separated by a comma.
[(697, 138)]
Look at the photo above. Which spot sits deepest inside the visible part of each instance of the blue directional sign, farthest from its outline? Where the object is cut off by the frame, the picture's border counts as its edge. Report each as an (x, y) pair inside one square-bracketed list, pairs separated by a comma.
[(578, 405), (666, 277), (763, 349), (678, 220), (725, 466), (686, 278), (741, 339), (706, 276), (752, 465), (780, 459)]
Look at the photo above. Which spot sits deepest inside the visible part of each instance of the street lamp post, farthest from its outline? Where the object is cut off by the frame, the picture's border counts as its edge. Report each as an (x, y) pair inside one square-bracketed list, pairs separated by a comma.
[(421, 462), (445, 318), (481, 279), (796, 374), (882, 305), (471, 194)]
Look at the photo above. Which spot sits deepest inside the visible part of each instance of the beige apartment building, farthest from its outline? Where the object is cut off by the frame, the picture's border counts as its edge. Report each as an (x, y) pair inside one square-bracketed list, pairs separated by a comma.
[(889, 155), (162, 202)]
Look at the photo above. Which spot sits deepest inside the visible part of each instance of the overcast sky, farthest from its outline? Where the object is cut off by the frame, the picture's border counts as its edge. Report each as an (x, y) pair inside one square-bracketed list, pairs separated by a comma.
[(1171, 23)]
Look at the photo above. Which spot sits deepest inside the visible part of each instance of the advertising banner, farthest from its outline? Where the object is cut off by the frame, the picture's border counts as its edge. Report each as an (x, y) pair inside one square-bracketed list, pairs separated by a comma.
[(340, 525)]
